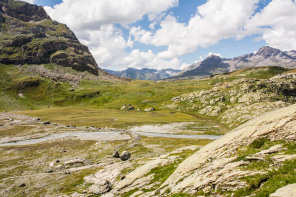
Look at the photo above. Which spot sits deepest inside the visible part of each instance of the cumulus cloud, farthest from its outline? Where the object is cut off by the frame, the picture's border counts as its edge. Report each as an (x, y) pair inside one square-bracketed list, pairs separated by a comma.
[(94, 24), (95, 21), (216, 54), (276, 24), (214, 20), (93, 13)]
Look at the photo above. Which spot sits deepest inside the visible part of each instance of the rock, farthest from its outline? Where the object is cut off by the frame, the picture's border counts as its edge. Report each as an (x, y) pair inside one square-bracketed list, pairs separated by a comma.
[(116, 154), (101, 187), (125, 155), (255, 158), (273, 149), (282, 158), (128, 107), (74, 161), (22, 185), (287, 191), (149, 109), (47, 123)]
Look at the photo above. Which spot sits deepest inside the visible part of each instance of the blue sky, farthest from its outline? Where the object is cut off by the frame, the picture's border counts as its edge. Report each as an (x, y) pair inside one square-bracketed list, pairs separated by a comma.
[(174, 33)]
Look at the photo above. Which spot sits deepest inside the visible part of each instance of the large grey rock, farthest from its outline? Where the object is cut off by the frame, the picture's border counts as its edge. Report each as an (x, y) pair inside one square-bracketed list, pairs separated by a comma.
[(101, 187), (116, 154), (125, 155), (287, 191)]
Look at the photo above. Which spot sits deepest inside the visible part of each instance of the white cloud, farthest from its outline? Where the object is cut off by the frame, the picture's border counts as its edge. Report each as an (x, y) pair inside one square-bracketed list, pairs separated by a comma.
[(276, 23), (93, 13), (29, 1), (216, 54), (215, 20), (94, 24)]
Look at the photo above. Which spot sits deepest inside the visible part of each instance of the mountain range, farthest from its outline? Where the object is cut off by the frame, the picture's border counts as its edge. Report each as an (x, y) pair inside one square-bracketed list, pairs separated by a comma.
[(265, 56), (145, 73)]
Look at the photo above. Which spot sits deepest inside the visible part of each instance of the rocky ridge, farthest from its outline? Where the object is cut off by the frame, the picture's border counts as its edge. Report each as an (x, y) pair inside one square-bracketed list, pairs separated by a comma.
[(237, 101), (265, 56), (257, 150), (29, 36)]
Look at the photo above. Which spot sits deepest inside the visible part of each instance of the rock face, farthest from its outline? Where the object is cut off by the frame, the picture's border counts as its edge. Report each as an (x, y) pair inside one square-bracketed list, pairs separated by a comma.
[(29, 36), (215, 167), (265, 56), (287, 191), (240, 100)]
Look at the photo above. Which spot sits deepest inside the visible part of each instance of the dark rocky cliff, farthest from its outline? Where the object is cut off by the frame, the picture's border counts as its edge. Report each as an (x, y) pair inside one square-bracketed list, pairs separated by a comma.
[(29, 36)]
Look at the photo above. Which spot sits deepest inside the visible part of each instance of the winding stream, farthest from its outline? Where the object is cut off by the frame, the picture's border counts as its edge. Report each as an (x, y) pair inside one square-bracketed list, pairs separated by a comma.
[(168, 130)]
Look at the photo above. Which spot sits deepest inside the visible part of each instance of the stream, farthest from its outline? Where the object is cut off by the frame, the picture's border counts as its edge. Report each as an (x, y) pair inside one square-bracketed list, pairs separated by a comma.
[(168, 130)]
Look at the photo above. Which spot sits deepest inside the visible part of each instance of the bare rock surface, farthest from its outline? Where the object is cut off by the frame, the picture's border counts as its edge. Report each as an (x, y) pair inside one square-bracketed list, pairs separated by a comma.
[(287, 191), (212, 166)]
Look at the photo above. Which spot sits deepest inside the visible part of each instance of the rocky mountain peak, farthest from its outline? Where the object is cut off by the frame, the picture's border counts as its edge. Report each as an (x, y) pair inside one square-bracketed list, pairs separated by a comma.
[(23, 11), (29, 36), (268, 51), (212, 58)]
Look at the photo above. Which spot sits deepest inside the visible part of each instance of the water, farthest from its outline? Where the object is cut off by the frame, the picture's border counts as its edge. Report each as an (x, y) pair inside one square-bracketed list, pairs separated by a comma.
[(211, 137), (167, 130), (99, 136)]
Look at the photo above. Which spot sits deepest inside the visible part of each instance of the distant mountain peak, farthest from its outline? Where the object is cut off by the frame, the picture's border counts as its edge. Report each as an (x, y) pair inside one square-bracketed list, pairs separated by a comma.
[(265, 56), (267, 51)]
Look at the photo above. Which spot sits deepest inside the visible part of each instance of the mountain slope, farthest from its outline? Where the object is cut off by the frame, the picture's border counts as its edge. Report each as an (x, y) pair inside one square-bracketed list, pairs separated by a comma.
[(265, 56), (29, 36), (145, 73)]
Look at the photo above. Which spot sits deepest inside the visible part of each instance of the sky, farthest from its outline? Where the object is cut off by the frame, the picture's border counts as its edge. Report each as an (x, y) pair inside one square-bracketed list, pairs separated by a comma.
[(174, 33)]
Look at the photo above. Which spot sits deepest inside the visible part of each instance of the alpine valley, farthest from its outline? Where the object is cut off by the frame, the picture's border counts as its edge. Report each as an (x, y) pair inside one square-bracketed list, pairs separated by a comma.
[(221, 127)]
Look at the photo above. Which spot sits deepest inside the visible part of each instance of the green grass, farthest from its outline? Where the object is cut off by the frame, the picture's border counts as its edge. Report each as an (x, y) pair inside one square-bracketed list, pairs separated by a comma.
[(83, 116)]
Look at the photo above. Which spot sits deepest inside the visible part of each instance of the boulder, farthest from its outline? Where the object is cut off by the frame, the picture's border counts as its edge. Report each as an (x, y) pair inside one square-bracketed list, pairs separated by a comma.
[(149, 109), (116, 154), (125, 155), (101, 187), (287, 191), (128, 107)]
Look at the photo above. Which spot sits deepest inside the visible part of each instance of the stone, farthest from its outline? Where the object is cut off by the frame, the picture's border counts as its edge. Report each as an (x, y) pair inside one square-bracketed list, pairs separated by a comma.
[(125, 155), (47, 123), (273, 149), (282, 158), (149, 109), (22, 185), (128, 107), (255, 158), (101, 187), (116, 154), (74, 161), (287, 191)]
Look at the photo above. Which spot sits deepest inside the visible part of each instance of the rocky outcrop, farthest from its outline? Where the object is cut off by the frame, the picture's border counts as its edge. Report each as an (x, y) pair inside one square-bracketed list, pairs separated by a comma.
[(23, 11), (31, 37), (239, 100), (214, 167), (287, 191)]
